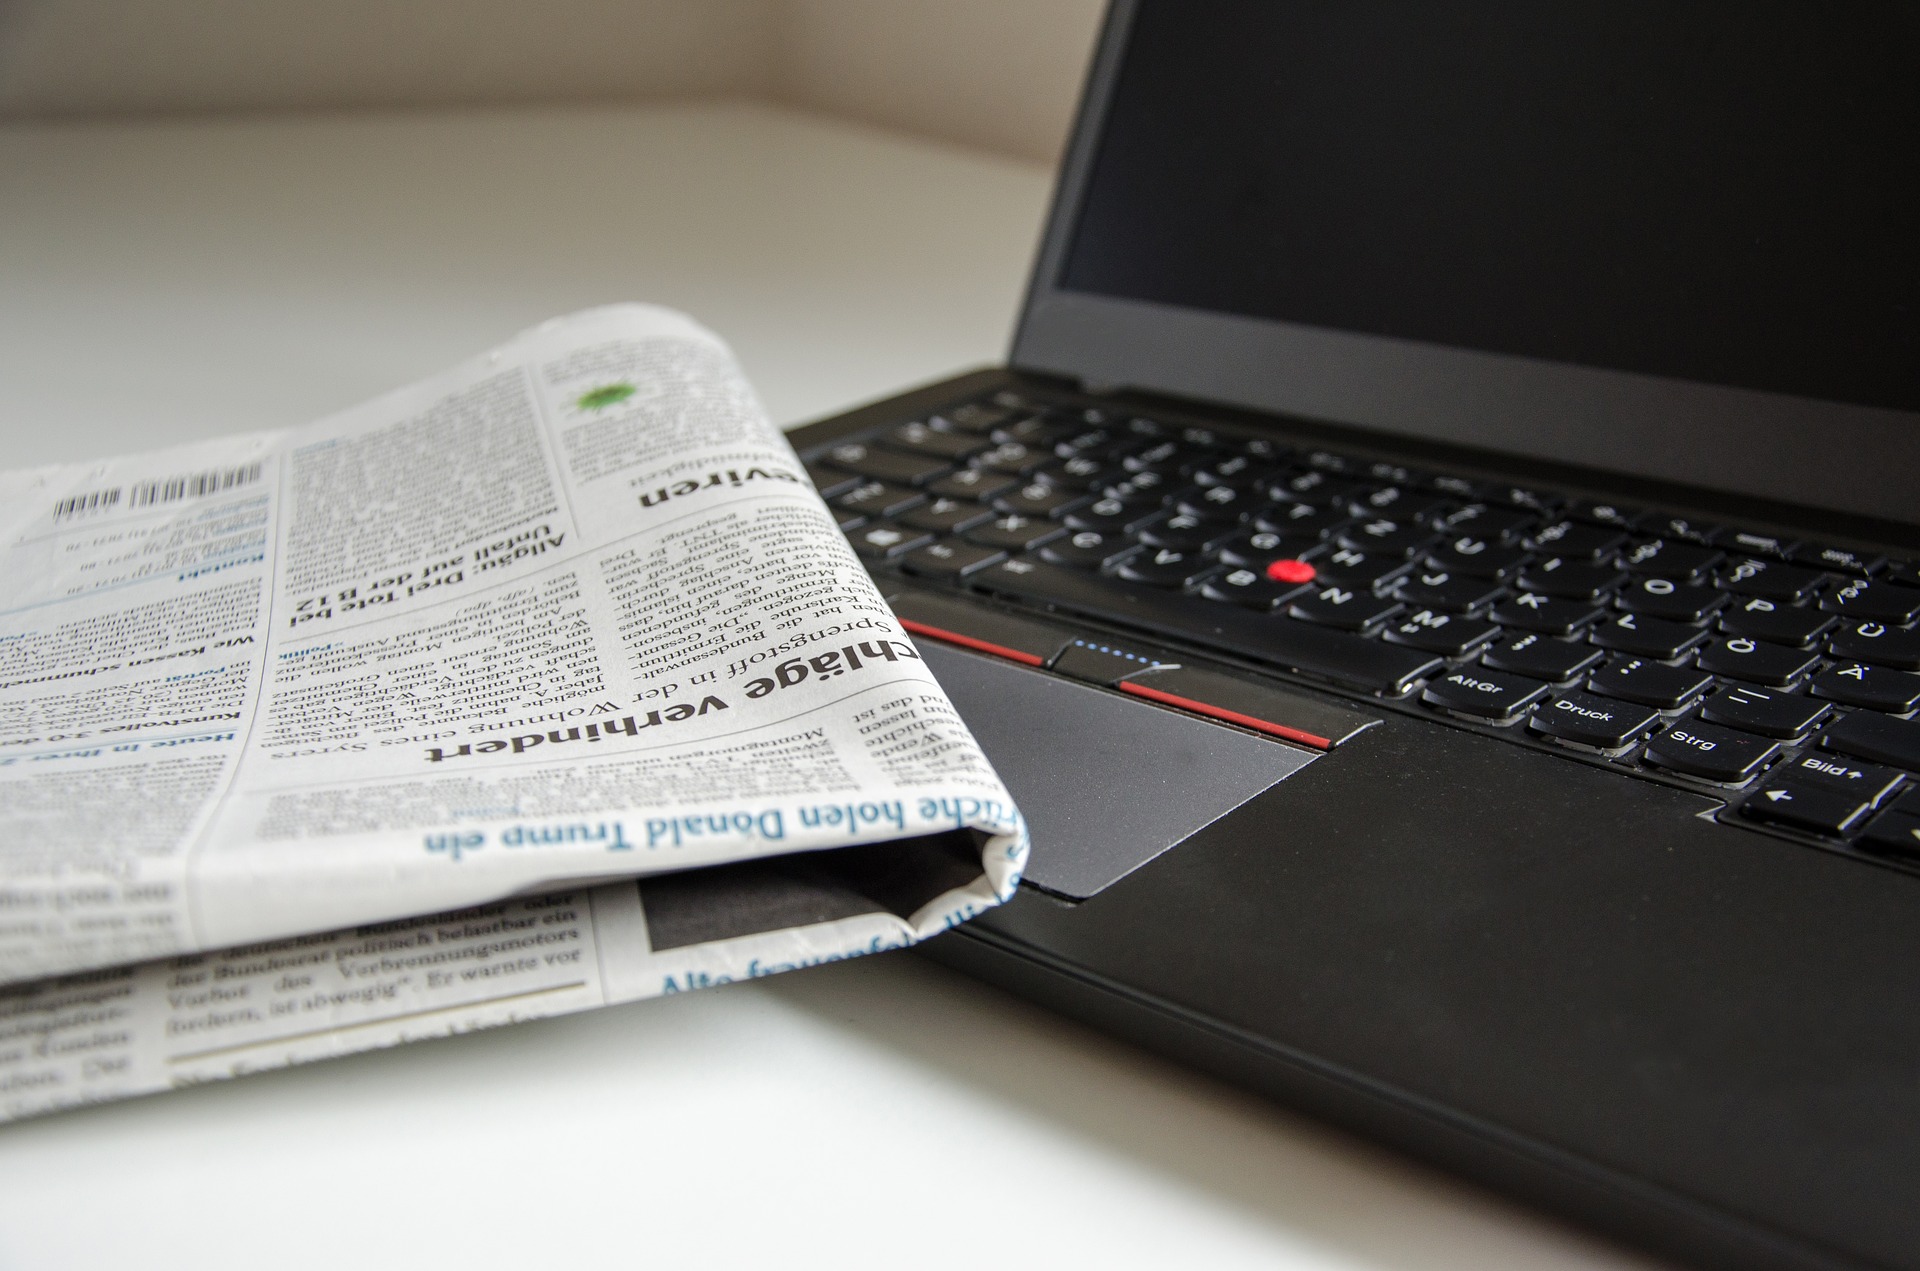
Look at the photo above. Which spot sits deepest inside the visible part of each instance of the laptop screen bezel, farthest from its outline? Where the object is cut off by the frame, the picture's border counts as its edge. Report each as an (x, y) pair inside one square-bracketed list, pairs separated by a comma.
[(1860, 460)]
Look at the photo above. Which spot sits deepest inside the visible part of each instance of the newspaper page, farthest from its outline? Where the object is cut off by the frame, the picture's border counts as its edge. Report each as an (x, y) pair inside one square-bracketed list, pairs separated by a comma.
[(568, 614)]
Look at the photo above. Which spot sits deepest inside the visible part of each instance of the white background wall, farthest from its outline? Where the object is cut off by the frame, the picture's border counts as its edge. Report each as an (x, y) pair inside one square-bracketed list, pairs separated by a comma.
[(997, 74)]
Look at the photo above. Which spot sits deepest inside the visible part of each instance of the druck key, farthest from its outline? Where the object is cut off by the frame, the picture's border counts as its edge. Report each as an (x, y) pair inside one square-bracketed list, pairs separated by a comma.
[(1317, 651)]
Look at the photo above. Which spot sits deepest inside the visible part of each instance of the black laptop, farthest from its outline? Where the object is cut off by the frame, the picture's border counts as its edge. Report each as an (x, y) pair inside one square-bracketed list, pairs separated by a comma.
[(1441, 572)]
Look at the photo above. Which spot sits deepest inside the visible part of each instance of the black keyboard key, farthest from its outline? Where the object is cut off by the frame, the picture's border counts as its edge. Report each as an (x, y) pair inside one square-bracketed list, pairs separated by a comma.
[(1905, 573), (1462, 488), (1532, 500), (970, 483), (946, 516), (1036, 431), (1484, 694), (1874, 687), (1762, 710), (1038, 499), (1840, 560), (1612, 515), (1752, 576), (1237, 469), (1649, 683), (1541, 657), (1314, 487), (885, 540), (1669, 558), (1895, 833), (1115, 516), (1225, 502), (951, 560), (1647, 637), (1776, 621), (1365, 570), (1014, 459), (887, 465), (923, 439), (1680, 528), (1161, 456), (1586, 720), (973, 417), (1398, 503), (1756, 661), (1088, 549), (1438, 589), (1371, 665), (1485, 522), (1259, 547), (1163, 567), (1387, 536), (1784, 801), (1574, 541), (1350, 608), (1535, 612), (1082, 472), (1869, 783), (1875, 642), (1140, 485), (1665, 598), (1095, 440), (1710, 752), (1865, 601), (1770, 545), (878, 498), (1448, 634), (1015, 533), (1186, 533), (1570, 579), (1880, 738), (845, 520), (1395, 474), (1248, 587), (1327, 461), (1479, 557), (1298, 519), (831, 481)]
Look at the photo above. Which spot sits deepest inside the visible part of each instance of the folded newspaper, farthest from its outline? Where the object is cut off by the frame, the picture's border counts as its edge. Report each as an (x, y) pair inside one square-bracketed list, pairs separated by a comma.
[(560, 649)]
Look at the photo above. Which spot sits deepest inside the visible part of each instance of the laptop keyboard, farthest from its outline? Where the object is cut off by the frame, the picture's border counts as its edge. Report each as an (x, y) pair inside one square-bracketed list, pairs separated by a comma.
[(1784, 674)]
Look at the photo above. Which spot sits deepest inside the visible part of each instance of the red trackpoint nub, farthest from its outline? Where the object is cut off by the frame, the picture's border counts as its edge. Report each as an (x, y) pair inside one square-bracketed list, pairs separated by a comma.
[(1290, 571)]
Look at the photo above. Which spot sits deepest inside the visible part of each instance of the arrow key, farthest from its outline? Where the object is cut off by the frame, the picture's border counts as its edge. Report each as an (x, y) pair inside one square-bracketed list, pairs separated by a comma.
[(1805, 807), (1895, 833)]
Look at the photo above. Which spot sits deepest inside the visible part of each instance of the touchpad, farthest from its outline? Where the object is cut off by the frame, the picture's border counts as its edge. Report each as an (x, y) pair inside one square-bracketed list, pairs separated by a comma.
[(1106, 784)]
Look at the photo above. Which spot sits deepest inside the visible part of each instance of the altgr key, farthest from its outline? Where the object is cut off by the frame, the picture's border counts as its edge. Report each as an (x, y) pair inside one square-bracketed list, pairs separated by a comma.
[(1484, 694)]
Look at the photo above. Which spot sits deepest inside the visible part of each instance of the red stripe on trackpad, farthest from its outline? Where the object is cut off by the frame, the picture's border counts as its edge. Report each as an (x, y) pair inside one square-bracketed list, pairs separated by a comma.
[(1224, 715), (970, 642)]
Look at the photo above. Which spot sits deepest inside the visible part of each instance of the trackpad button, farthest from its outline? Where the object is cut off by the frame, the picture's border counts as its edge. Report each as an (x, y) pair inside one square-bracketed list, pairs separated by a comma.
[(1106, 784)]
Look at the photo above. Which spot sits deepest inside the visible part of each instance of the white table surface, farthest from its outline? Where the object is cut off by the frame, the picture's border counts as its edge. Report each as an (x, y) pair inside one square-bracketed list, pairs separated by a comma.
[(161, 282)]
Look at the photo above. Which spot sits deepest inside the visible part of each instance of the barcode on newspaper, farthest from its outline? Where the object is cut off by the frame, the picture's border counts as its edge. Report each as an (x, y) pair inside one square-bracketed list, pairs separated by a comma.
[(191, 485), (82, 504)]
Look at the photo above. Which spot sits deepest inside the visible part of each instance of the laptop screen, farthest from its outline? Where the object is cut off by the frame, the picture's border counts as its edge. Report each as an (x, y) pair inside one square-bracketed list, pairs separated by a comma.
[(1710, 194), (1724, 193)]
